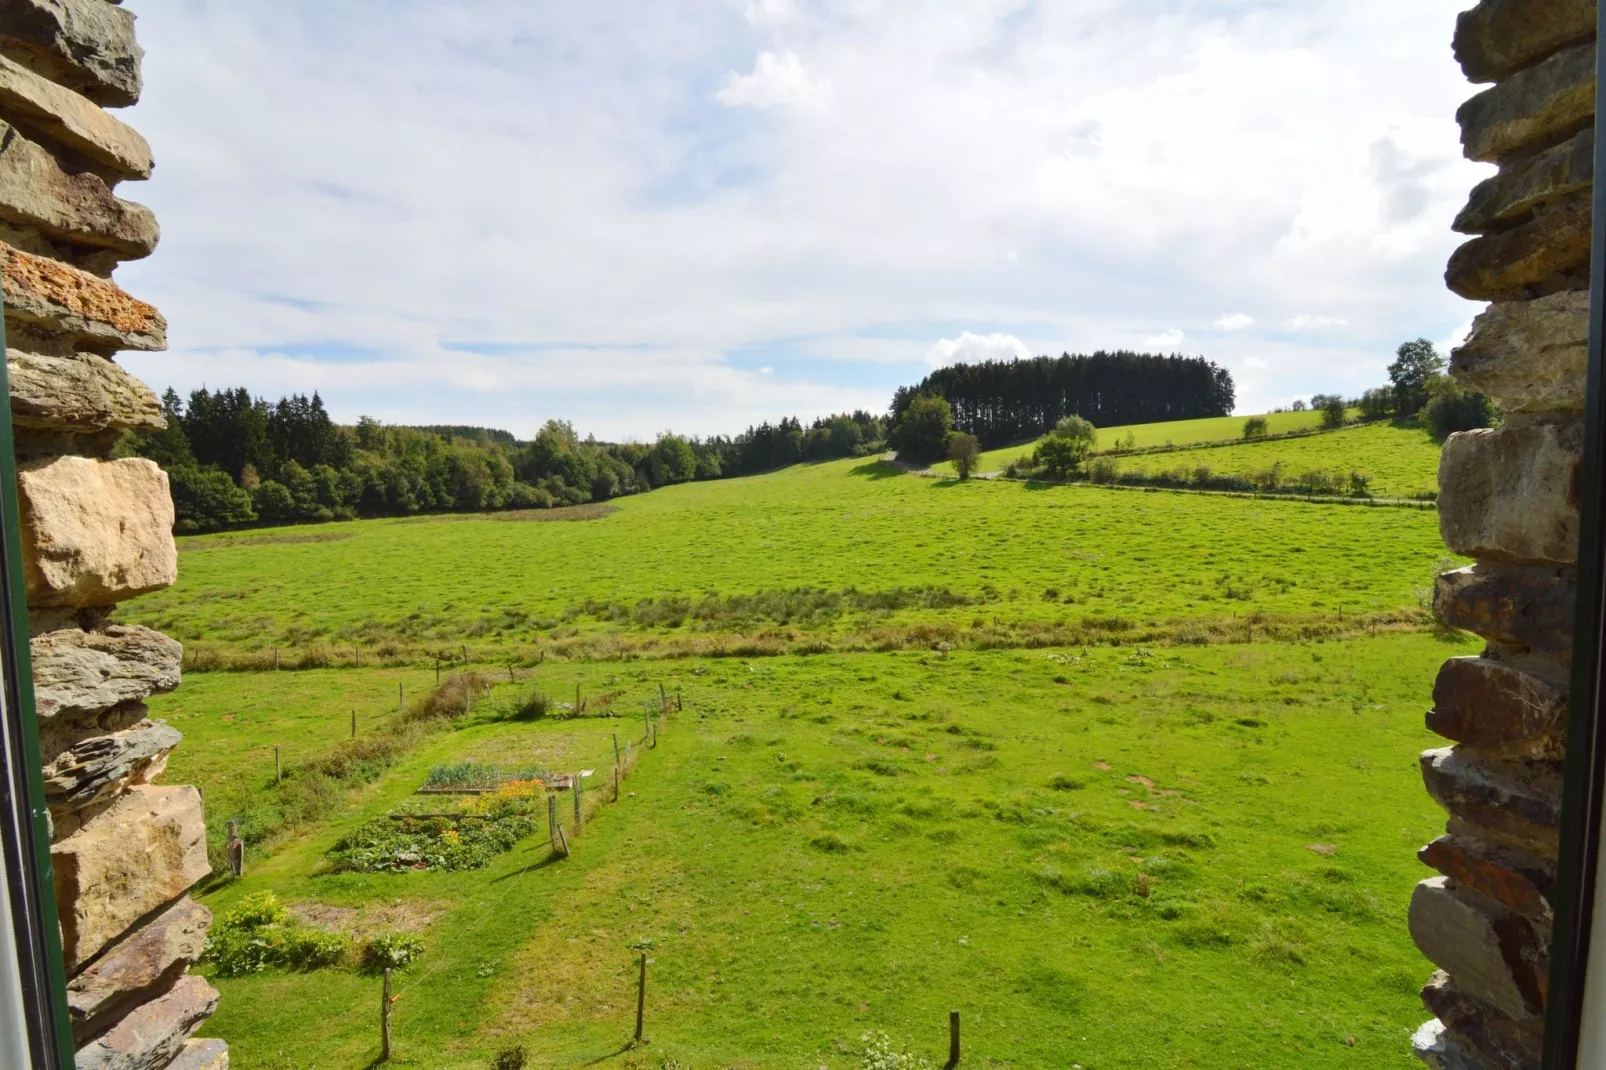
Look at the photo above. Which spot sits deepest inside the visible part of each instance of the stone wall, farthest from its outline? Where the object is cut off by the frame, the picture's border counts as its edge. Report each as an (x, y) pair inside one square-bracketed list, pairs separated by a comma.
[(96, 531), (1509, 499)]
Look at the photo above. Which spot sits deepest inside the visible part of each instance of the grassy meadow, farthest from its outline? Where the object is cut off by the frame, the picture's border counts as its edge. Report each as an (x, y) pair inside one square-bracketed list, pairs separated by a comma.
[(1129, 778)]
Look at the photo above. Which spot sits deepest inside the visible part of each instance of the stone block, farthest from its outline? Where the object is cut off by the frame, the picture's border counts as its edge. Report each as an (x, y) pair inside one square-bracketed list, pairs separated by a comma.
[(75, 207), (85, 45), (141, 967), (1440, 1049), (1493, 955), (1512, 493), (1517, 804), (145, 851), (99, 768), (208, 1054), (1505, 1043), (1543, 105), (87, 310), (95, 532), (1530, 356), (1499, 708), (153, 1035), (1521, 882), (73, 120), (1497, 38), (81, 672), (1523, 186), (1526, 608), (1547, 253), (80, 395)]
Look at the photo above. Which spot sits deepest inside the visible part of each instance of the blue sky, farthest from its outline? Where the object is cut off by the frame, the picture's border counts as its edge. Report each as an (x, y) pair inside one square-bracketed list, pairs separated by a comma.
[(643, 215)]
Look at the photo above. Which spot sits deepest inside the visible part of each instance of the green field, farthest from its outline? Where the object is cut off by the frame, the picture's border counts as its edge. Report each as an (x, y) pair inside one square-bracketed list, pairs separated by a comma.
[(1403, 461), (1016, 563), (1129, 778), (1174, 433)]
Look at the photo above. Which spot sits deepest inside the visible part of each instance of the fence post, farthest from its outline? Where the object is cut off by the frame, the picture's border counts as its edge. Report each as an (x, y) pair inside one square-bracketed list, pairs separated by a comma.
[(384, 1022), (236, 850), (663, 698), (552, 819), (616, 748), (275, 659), (564, 840), (465, 653), (678, 705), (437, 672), (401, 697), (641, 997), (953, 1040), (510, 677), (353, 724), (575, 785), (616, 782), (579, 703), (276, 766), (646, 721)]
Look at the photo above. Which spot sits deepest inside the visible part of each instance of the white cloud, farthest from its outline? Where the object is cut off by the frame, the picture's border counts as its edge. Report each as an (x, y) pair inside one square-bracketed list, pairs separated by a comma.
[(766, 370), (1456, 338), (1165, 341), (1305, 322), (1235, 321), (1254, 363), (971, 348), (763, 12), (350, 193), (777, 81)]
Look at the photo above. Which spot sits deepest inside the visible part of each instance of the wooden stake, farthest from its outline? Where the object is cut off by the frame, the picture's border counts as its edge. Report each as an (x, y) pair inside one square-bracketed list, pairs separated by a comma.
[(953, 1040), (384, 1022), (357, 650), (236, 850), (401, 697), (275, 659), (510, 678), (575, 785), (616, 748), (579, 704), (353, 724), (465, 653), (552, 819), (641, 997), (678, 706), (616, 783), (564, 841), (663, 697), (276, 772), (437, 672)]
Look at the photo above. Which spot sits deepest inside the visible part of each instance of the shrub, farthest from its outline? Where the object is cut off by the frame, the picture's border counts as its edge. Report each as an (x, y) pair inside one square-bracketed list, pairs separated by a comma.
[(1333, 408), (397, 844), (513, 1058), (1255, 427), (1452, 407), (921, 433), (392, 951), (881, 1054), (965, 452), (532, 705), (1066, 447), (1377, 403), (1103, 470), (258, 933)]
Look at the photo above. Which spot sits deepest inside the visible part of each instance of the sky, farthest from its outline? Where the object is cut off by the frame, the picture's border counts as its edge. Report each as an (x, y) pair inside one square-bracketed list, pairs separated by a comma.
[(645, 215)]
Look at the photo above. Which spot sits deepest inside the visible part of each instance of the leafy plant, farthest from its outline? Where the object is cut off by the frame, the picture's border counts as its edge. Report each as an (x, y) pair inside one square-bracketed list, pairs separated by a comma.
[(391, 951), (880, 1053), (258, 933)]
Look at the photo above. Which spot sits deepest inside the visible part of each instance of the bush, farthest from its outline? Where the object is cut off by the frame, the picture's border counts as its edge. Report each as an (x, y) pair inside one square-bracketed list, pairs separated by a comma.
[(1452, 407), (391, 952), (1377, 403), (1066, 447), (1255, 427), (259, 933), (1333, 408), (965, 452), (921, 433), (513, 1058)]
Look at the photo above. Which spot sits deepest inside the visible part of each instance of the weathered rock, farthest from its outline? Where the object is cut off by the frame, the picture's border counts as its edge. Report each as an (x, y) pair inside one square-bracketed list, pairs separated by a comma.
[(1499, 37), (1505, 1043), (209, 1054), (95, 532), (1540, 106), (1492, 953), (73, 120), (1512, 493), (1499, 708), (98, 769), (142, 853), (1531, 356), (85, 45), (36, 191), (138, 969), (1547, 253), (56, 298), (1521, 882), (1440, 1049), (77, 671), (153, 1035), (1527, 608), (79, 395), (1515, 804), (1524, 186)]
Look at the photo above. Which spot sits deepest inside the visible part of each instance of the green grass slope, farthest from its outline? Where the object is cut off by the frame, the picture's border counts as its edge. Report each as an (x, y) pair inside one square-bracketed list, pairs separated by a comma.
[(1403, 461), (1013, 557), (1194, 858)]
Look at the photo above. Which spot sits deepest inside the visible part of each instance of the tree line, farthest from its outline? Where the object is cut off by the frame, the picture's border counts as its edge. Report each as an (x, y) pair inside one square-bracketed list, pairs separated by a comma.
[(234, 460), (1009, 401)]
